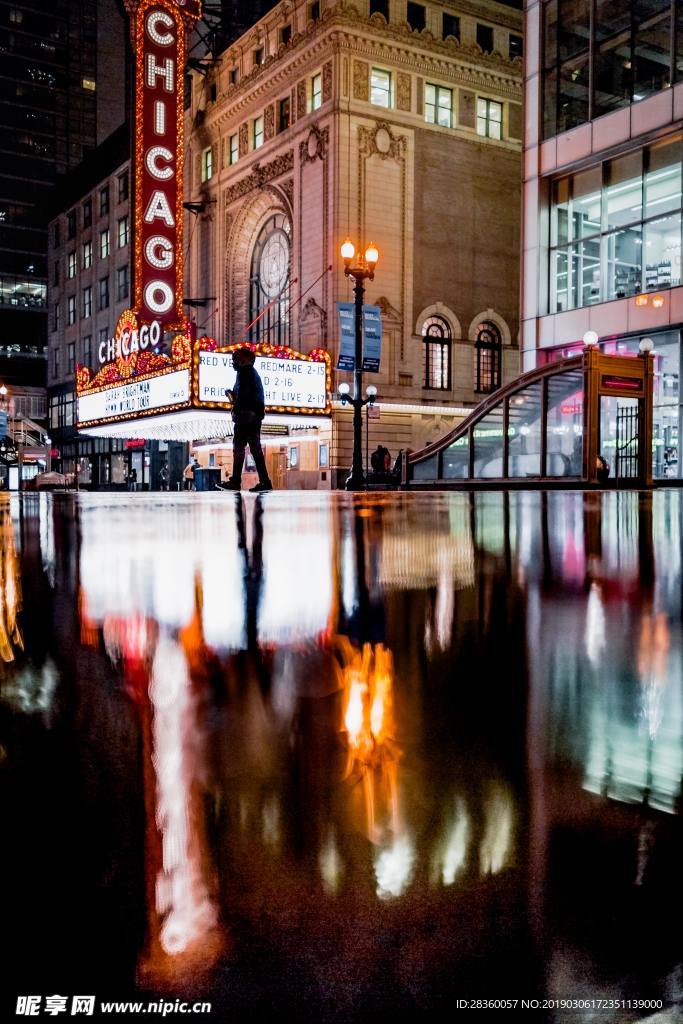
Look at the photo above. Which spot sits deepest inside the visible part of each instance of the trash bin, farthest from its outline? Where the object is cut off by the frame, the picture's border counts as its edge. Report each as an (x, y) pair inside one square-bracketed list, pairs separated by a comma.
[(206, 478)]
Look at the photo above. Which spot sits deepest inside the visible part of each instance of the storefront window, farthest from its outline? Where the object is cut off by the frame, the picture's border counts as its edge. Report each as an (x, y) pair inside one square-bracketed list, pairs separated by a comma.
[(624, 262), (565, 425), (118, 469)]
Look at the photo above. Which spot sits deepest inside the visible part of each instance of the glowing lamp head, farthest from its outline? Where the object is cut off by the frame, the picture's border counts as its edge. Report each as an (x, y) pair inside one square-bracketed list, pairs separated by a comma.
[(348, 250), (641, 300), (590, 338), (646, 346), (372, 255), (371, 392), (344, 389), (657, 301)]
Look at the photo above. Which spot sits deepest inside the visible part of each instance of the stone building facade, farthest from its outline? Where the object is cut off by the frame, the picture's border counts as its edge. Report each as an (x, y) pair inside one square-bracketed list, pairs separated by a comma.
[(385, 121)]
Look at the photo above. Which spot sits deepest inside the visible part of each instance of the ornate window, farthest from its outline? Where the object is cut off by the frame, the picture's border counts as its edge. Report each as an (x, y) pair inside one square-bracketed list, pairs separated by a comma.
[(269, 282), (436, 348), (488, 355)]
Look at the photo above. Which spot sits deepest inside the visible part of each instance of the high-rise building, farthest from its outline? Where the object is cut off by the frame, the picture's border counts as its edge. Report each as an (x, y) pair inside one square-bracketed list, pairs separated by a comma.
[(603, 176), (50, 89)]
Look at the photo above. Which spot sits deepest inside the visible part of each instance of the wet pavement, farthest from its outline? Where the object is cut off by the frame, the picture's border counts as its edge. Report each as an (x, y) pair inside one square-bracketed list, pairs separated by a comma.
[(316, 755)]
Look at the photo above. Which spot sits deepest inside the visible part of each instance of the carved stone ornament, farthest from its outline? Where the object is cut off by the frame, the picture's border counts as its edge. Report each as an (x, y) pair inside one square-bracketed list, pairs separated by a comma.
[(315, 146), (382, 142), (314, 314), (388, 311), (361, 80), (260, 176), (403, 83)]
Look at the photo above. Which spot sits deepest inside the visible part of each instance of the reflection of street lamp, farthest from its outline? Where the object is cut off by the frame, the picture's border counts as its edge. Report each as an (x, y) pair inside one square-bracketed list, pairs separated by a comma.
[(360, 268)]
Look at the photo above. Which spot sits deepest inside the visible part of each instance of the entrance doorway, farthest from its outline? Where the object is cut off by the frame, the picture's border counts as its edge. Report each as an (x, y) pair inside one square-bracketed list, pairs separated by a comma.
[(619, 436)]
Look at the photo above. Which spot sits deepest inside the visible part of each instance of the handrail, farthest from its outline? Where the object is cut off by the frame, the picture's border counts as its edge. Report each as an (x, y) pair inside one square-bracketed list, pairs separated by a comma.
[(530, 377)]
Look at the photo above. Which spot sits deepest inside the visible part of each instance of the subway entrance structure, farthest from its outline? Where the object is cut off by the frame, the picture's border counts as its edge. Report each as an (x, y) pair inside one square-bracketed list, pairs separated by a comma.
[(550, 427)]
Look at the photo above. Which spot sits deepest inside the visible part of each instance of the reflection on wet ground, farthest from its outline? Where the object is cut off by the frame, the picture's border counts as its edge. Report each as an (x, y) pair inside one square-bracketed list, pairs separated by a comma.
[(332, 756)]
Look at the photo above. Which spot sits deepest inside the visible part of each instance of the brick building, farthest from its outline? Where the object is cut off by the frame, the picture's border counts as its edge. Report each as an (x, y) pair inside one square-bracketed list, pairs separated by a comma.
[(385, 121)]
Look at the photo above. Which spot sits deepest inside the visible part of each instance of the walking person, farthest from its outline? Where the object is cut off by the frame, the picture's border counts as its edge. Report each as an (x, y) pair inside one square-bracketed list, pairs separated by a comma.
[(248, 410), (188, 475), (133, 480)]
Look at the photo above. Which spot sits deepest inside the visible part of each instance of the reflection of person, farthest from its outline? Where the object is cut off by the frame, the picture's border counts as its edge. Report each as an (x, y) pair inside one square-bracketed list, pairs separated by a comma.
[(601, 469), (248, 410), (253, 568)]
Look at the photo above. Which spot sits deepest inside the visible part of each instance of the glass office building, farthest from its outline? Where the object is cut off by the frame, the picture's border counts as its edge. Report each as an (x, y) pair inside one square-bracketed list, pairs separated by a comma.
[(603, 191)]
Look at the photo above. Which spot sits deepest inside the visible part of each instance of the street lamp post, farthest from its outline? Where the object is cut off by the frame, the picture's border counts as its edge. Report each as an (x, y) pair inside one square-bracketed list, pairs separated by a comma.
[(359, 268)]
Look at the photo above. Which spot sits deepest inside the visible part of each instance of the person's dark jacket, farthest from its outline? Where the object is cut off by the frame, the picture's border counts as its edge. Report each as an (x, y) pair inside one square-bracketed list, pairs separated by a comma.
[(248, 393)]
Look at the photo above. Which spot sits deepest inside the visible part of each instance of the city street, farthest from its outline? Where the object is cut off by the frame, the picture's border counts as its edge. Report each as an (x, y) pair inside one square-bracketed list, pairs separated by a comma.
[(330, 755)]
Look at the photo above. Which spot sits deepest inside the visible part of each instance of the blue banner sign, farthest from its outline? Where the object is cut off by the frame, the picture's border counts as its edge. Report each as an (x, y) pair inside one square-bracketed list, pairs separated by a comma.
[(347, 336), (372, 338)]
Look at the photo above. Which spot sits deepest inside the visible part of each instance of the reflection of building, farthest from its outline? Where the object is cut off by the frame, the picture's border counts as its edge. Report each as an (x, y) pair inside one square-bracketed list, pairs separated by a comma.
[(327, 120), (602, 193)]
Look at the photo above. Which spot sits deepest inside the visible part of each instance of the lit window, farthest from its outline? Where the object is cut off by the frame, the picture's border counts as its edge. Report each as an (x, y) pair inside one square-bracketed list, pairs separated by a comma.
[(234, 148), (207, 164), (380, 88), (71, 310), (71, 265), (316, 91), (490, 118), (87, 255), (293, 458), (439, 105), (104, 244), (87, 302), (488, 349), (123, 232), (258, 132), (104, 200), (90, 84), (436, 354), (87, 213), (123, 187)]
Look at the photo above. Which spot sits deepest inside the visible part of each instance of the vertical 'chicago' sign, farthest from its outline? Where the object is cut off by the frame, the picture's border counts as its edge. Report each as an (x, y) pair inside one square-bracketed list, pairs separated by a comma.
[(158, 30)]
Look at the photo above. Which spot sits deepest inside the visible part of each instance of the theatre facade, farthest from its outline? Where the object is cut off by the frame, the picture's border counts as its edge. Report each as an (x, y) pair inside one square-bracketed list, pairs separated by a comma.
[(385, 122)]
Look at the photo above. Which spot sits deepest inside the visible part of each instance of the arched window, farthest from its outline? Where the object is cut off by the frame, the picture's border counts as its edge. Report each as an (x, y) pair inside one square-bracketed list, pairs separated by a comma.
[(436, 361), (269, 282), (488, 355)]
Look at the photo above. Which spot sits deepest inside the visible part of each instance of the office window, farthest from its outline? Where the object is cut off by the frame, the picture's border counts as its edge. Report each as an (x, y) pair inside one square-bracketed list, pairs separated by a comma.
[(450, 26), (316, 91), (436, 354), (87, 350), (615, 228), (417, 16), (258, 57), (314, 11), (381, 88), (258, 132), (71, 224), (234, 148), (285, 33), (380, 7), (89, 84), (104, 293), (104, 243), (516, 46), (71, 264), (490, 118), (438, 105), (284, 114), (122, 231), (485, 38), (488, 354), (123, 186), (71, 310), (87, 213), (207, 164), (122, 282), (87, 255), (71, 357), (87, 302), (104, 201)]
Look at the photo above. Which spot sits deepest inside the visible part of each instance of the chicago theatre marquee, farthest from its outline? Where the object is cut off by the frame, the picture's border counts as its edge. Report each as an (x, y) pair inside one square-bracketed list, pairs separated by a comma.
[(156, 379)]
